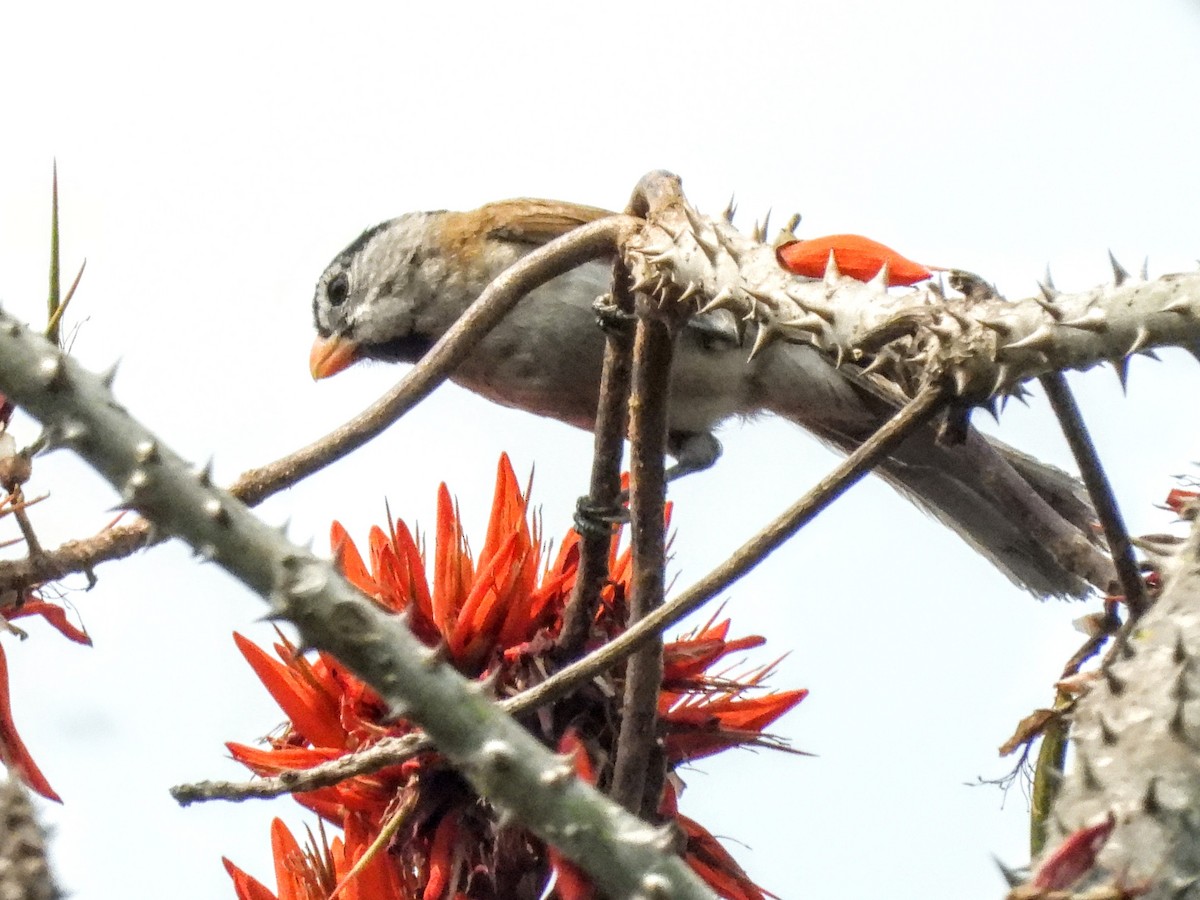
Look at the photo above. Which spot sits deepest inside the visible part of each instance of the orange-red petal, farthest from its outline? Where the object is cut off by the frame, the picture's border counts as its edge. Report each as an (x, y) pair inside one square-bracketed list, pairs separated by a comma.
[(441, 857), (1074, 857), (291, 869), (508, 511), (313, 713), (857, 257), (13, 750), (377, 879), (246, 886), (704, 727), (715, 865), (349, 561), (1177, 498), (570, 881), (411, 568), (452, 568), (272, 761), (55, 615)]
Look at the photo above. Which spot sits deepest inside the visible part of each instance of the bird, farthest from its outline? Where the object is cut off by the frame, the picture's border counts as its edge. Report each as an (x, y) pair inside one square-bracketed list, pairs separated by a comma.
[(401, 284)]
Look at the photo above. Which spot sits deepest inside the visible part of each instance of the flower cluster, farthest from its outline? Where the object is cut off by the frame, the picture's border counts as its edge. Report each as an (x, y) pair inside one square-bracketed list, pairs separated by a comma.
[(416, 829)]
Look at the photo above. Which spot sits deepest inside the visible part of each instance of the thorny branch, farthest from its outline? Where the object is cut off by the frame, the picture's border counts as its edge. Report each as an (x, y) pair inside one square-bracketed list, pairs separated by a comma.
[(980, 344), (1136, 738)]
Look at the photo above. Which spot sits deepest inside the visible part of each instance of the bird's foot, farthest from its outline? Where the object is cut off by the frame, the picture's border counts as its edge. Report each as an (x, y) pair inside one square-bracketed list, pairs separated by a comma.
[(598, 518), (610, 316)]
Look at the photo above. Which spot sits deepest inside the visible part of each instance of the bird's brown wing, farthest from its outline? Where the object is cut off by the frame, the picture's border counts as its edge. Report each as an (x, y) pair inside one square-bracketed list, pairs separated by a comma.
[(530, 221)]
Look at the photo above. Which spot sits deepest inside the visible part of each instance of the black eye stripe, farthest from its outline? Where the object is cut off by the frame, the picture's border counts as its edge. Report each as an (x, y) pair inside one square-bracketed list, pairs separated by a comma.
[(337, 289)]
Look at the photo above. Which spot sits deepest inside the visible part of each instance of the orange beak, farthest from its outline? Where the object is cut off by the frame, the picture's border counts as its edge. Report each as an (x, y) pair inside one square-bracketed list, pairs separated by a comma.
[(330, 355)]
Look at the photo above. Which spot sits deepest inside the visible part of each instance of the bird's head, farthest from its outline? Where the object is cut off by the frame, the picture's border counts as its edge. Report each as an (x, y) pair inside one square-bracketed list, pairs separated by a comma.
[(400, 285), (372, 300)]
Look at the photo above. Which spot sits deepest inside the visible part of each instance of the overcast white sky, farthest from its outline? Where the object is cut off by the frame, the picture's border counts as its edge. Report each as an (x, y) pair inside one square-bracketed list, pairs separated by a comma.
[(213, 158)]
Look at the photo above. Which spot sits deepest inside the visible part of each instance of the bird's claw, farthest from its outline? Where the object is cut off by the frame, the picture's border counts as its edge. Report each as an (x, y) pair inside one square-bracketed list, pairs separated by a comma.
[(610, 316), (597, 518)]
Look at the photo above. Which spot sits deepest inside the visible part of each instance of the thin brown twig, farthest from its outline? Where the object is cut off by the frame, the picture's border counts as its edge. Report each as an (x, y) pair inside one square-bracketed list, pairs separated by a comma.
[(1107, 626), (605, 485), (637, 774), (640, 768), (1062, 401), (23, 522), (578, 246), (13, 502), (388, 752)]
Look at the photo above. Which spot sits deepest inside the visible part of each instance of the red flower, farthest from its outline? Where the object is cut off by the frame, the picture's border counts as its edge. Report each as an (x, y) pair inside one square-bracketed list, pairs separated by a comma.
[(496, 616)]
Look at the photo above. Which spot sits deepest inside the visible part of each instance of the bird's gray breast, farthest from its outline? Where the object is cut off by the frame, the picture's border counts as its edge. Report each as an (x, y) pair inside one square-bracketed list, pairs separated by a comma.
[(547, 354)]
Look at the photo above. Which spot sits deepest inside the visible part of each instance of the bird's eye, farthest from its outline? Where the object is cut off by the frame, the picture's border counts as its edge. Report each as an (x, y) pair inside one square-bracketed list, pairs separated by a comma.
[(337, 289)]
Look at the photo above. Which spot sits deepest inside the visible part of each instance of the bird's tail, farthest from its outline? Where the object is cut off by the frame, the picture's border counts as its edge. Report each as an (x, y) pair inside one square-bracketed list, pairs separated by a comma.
[(1031, 520)]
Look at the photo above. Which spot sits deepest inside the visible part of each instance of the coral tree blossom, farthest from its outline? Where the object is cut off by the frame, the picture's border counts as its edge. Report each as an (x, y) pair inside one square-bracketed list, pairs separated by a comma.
[(416, 829)]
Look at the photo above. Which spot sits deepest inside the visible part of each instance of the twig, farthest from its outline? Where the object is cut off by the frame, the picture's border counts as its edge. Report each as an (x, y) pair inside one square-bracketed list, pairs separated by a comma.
[(17, 504), (73, 556), (26, 526), (1047, 774), (605, 484), (915, 414), (388, 752), (1099, 490), (17, 500), (636, 785), (1051, 756), (386, 832), (1109, 625), (584, 243), (503, 761)]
